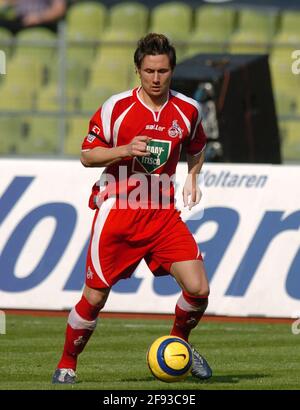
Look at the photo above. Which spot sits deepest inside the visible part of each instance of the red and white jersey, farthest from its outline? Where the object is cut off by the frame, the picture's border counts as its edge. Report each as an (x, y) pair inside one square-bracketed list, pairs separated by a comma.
[(125, 115)]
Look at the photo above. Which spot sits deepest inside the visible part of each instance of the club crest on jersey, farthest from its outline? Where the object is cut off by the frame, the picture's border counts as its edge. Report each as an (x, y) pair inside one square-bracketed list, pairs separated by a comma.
[(175, 131), (159, 154)]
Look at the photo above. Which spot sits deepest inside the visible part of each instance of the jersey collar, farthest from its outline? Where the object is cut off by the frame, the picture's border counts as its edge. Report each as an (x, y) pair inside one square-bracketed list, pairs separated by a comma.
[(156, 114)]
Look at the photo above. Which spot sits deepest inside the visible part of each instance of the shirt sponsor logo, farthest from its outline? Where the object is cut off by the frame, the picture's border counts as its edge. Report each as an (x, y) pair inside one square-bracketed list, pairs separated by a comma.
[(159, 151), (175, 131), (155, 127)]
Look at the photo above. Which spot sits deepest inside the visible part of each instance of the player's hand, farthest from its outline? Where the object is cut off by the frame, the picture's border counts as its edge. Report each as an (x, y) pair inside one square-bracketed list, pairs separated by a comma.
[(138, 146), (191, 191)]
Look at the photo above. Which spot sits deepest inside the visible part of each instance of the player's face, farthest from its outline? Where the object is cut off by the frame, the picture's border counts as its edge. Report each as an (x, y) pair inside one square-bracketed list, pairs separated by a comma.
[(155, 74)]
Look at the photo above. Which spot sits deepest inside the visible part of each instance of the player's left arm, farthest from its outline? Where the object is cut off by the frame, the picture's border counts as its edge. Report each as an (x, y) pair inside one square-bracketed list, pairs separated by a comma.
[(191, 190), (195, 159)]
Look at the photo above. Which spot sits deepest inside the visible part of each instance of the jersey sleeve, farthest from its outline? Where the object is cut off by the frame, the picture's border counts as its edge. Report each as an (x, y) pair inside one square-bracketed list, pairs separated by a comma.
[(95, 136), (197, 139)]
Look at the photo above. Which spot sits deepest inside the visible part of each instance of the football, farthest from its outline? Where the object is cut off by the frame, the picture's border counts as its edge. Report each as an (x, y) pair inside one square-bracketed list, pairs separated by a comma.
[(170, 359)]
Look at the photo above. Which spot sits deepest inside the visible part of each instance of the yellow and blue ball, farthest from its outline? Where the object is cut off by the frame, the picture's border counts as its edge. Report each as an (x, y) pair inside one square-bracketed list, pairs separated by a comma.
[(170, 359)]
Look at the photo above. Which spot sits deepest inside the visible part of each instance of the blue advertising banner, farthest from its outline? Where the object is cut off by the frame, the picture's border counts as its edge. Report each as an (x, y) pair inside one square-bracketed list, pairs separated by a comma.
[(247, 226)]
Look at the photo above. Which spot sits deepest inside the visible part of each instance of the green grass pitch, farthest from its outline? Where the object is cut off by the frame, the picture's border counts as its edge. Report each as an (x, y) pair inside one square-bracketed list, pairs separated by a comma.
[(242, 355)]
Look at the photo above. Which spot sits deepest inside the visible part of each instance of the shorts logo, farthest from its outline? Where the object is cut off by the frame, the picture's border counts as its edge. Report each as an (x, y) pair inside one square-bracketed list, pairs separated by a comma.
[(175, 131), (159, 151), (89, 273)]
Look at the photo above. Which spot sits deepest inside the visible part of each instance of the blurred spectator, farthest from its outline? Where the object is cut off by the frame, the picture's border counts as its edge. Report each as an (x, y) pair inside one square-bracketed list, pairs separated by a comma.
[(18, 14)]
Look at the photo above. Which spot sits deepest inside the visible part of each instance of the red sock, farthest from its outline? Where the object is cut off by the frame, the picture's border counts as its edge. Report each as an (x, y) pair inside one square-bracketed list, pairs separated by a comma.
[(188, 312), (81, 324)]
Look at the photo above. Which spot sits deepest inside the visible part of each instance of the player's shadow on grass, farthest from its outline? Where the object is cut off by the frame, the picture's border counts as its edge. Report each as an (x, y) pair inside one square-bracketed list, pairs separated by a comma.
[(214, 379), (229, 379)]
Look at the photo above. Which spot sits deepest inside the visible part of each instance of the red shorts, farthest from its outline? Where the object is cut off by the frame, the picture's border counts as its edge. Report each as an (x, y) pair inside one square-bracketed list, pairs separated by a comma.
[(121, 238)]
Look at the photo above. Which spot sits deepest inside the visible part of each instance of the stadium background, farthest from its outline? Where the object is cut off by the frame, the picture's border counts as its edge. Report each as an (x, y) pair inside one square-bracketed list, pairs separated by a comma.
[(54, 81)]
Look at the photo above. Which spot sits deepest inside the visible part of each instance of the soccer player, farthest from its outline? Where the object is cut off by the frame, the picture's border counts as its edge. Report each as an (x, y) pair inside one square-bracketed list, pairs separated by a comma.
[(137, 135)]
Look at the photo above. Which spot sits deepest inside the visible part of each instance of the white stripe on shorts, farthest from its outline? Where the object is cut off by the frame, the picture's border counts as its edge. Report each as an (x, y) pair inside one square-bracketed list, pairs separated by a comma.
[(100, 221)]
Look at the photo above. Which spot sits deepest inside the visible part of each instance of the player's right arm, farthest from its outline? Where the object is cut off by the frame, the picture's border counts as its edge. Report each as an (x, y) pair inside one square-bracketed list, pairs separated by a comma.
[(101, 156), (98, 149)]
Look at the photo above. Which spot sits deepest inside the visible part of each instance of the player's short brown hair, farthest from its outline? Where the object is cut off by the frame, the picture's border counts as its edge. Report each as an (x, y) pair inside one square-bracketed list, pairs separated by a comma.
[(154, 44)]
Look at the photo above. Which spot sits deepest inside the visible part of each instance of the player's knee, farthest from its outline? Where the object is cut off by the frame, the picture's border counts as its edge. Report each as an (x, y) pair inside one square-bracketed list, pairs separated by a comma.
[(96, 297), (204, 291), (200, 291), (99, 303)]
